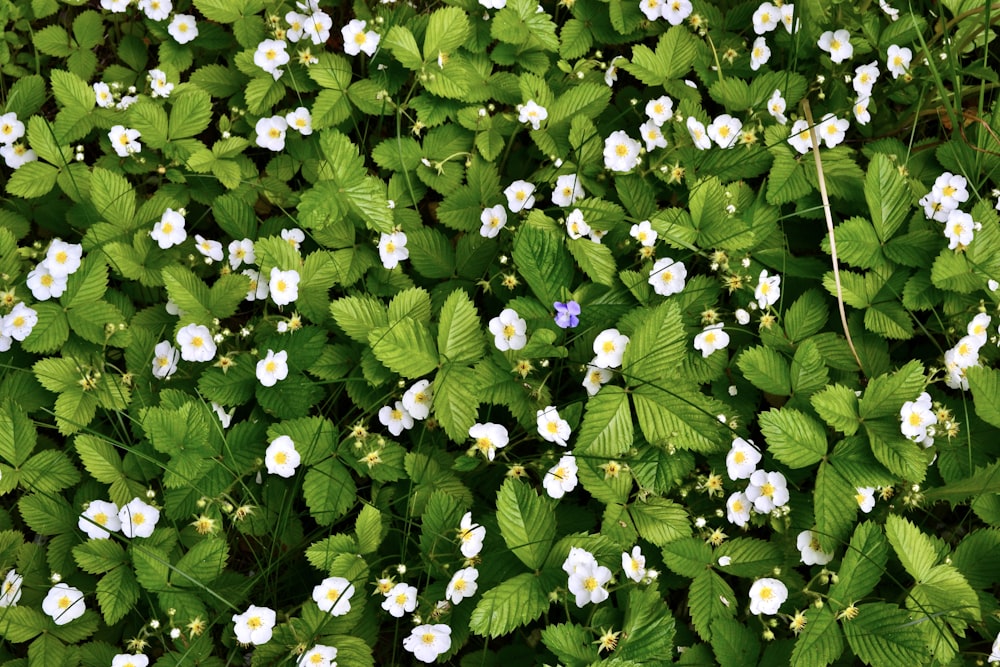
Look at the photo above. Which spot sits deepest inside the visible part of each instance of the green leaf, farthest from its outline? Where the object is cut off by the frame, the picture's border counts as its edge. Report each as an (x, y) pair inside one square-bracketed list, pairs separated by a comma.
[(51, 330), (913, 548), (455, 400), (47, 514), (71, 91), (17, 434), (542, 259), (26, 96), (517, 601), (787, 180), (359, 315), (710, 598), (688, 557), (607, 429), (117, 593), (99, 556), (405, 347), (431, 252), (48, 471), (113, 197), (572, 644), (795, 438), (369, 529), (887, 392), (944, 593), (674, 55), (189, 293), (203, 563), (982, 483), (190, 113), (749, 557), (735, 644), (227, 11), (329, 491), (974, 557), (807, 316), (821, 641), (655, 352), (660, 521), (151, 120), (838, 406), (22, 624), (648, 629), (87, 284), (527, 522), (900, 455), (835, 507), (447, 29), (984, 383), (683, 419), (863, 565), (766, 369), (46, 650), (460, 339), (401, 44), (595, 259), (34, 179), (882, 635), (888, 196)]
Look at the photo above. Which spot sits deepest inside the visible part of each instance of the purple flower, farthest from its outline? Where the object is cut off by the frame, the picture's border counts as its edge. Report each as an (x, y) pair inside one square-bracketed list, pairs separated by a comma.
[(566, 314)]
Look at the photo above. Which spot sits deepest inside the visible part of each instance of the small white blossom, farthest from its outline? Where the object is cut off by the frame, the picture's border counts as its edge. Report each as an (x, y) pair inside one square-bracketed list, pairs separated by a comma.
[(660, 110), (427, 642), (532, 112), (19, 322), (159, 84), (587, 583), (865, 498), (489, 437), (333, 595), (272, 368), (576, 226), (668, 276), (644, 233), (609, 346), (165, 358), (395, 418), (241, 251), (711, 338), (742, 460), (837, 44), (621, 152), (271, 133), (471, 536), (183, 28), (767, 490), (675, 11), (300, 120), (44, 285), (64, 603), (283, 286), (634, 564), (959, 229), (208, 248), (832, 130), (766, 596), (766, 18), (809, 549), (317, 25), (567, 191), (698, 134), (551, 426), (596, 377), (196, 343), (138, 519), (652, 135), (520, 196), (401, 599), (860, 109), (124, 141), (103, 96), (493, 220), (725, 130), (768, 290), (742, 316), (392, 249), (156, 10), (99, 520), (270, 56), (462, 585), (776, 107), (10, 589), (979, 327), (319, 655), (865, 77), (759, 53), (356, 39), (509, 330), (255, 625), (418, 399)]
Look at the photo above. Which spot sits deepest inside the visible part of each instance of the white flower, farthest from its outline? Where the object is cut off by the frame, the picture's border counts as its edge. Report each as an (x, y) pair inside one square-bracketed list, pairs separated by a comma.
[(698, 135), (711, 338), (837, 44), (19, 322), (660, 110), (271, 133), (156, 10), (621, 152), (64, 604), (165, 358), (576, 226), (300, 120), (392, 249), (609, 346), (611, 72), (533, 113), (138, 519), (520, 196), (17, 155), (63, 259), (596, 377), (255, 625), (956, 371), (766, 596), (270, 56), (462, 585), (861, 113), (225, 418), (210, 249), (318, 24), (576, 559), (634, 564), (768, 290), (183, 28), (551, 426), (808, 546), (10, 590), (319, 655), (978, 327), (776, 107), (169, 231), (865, 498), (561, 478), (159, 84), (951, 189), (258, 288), (418, 399), (508, 330), (196, 343), (934, 206), (767, 490), (995, 650), (283, 286), (272, 368), (333, 595), (239, 252), (115, 6), (471, 536), (494, 219), (742, 316), (568, 190), (651, 134), (742, 459), (832, 130), (898, 60), (766, 18), (587, 583), (400, 600), (916, 417), (102, 93), (667, 276), (124, 141), (99, 520), (395, 418), (865, 77), (787, 14), (357, 40), (653, 9), (44, 285), (295, 23), (675, 11), (759, 53), (644, 234), (11, 129), (427, 642), (966, 352), (891, 12), (489, 437), (281, 458), (959, 229), (725, 130)]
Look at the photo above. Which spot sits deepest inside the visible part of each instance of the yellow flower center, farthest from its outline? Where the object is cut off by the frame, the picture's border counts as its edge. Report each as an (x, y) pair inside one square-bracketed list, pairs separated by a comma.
[(559, 473), (359, 38), (197, 341), (509, 331), (608, 347), (138, 519), (767, 489), (914, 419), (590, 583), (766, 593), (427, 638), (254, 622), (460, 585), (390, 247), (281, 458), (948, 191), (552, 427), (835, 45), (724, 131), (737, 506), (64, 602), (333, 594), (739, 457), (710, 338), (401, 599), (101, 518), (274, 133), (621, 150), (270, 367), (166, 228), (396, 415), (19, 321)]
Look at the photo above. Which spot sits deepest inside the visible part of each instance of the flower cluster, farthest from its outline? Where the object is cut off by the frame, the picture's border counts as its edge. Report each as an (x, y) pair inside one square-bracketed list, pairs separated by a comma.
[(14, 153), (765, 491)]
